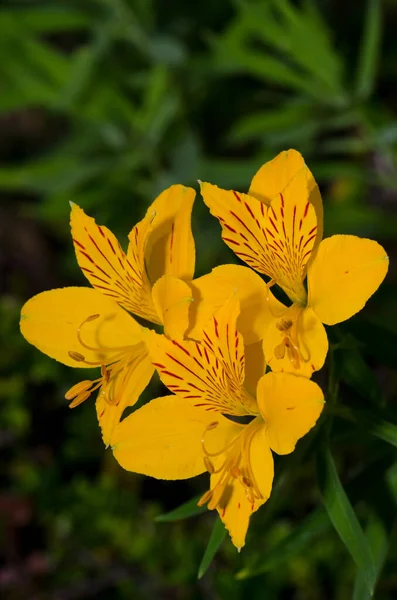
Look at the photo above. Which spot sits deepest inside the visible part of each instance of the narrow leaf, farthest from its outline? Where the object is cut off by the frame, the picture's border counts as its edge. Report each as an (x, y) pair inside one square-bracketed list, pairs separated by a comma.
[(371, 422), (344, 519), (217, 536), (377, 538), (186, 510), (369, 50)]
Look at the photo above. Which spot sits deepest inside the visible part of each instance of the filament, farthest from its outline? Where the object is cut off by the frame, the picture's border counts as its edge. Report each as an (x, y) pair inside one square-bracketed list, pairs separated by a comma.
[(236, 465), (116, 371)]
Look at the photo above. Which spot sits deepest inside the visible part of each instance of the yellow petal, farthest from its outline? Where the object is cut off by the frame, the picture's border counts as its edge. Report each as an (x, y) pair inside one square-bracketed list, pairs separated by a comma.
[(106, 266), (128, 387), (242, 219), (275, 175), (345, 273), (255, 366), (235, 507), (163, 439), (51, 320), (290, 406), (211, 291), (172, 299), (208, 373), (276, 241), (170, 248), (300, 348), (291, 229)]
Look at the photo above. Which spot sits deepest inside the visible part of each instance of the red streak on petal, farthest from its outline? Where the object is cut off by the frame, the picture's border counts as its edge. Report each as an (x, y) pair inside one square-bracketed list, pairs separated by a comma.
[(216, 327), (171, 375), (181, 347), (111, 245), (231, 241)]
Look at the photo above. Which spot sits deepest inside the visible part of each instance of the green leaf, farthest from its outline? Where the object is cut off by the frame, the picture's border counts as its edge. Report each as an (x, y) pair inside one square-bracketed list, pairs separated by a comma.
[(186, 510), (299, 538), (344, 519), (371, 422), (369, 50), (377, 539), (44, 19), (217, 537)]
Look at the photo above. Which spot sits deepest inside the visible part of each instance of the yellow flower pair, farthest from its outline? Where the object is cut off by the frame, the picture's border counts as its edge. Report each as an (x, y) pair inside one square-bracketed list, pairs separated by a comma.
[(226, 414)]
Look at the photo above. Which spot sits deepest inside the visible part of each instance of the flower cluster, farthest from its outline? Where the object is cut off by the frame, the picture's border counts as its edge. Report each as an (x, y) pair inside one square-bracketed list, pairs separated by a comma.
[(236, 360)]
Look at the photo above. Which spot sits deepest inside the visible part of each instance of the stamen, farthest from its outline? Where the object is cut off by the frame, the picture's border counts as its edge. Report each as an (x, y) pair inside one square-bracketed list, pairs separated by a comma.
[(247, 483), (293, 353), (299, 327), (291, 344), (249, 475), (279, 351), (212, 425), (77, 389), (208, 465), (100, 348), (204, 498), (76, 356), (235, 472), (284, 325), (237, 451), (92, 318), (222, 451), (79, 399)]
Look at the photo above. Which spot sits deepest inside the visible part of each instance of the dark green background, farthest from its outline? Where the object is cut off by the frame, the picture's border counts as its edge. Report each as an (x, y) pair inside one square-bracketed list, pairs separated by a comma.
[(106, 103)]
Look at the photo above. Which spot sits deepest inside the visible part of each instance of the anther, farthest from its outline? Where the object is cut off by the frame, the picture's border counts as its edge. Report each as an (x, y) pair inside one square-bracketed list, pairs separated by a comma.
[(246, 482), (249, 495), (91, 318), (279, 351), (204, 498), (235, 472), (79, 399), (76, 356), (77, 389), (212, 425), (208, 465), (284, 324)]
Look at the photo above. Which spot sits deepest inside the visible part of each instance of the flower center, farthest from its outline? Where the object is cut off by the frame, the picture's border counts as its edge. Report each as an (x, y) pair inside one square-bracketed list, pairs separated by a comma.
[(114, 368), (236, 465), (292, 344)]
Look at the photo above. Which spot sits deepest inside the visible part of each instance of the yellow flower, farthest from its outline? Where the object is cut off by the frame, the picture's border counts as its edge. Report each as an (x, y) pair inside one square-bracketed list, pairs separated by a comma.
[(277, 230), (204, 427), (85, 327)]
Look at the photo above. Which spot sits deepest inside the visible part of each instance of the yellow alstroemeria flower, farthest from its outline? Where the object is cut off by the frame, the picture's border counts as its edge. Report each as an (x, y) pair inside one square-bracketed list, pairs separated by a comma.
[(277, 230), (85, 327), (181, 436)]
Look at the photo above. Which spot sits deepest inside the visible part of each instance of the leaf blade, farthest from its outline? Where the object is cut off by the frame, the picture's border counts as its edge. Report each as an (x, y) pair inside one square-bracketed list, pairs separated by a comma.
[(185, 511), (369, 50), (344, 519), (217, 537)]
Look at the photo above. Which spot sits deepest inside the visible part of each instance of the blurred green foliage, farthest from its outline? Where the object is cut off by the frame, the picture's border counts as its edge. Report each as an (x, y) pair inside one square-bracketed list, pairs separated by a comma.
[(106, 103)]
